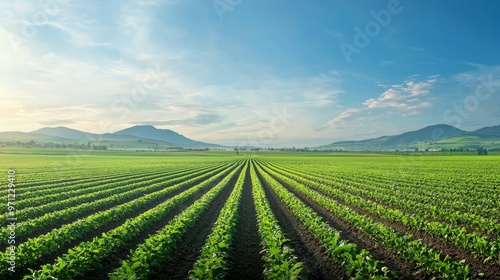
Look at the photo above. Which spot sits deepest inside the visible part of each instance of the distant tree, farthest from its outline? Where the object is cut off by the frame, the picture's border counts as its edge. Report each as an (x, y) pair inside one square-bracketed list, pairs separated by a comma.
[(485, 152), (236, 150)]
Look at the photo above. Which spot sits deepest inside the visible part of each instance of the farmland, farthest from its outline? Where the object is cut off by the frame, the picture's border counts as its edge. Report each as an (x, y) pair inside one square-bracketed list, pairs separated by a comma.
[(262, 215)]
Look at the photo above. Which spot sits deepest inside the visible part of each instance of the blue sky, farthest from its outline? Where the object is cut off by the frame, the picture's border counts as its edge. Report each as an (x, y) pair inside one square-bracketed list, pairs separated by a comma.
[(239, 72)]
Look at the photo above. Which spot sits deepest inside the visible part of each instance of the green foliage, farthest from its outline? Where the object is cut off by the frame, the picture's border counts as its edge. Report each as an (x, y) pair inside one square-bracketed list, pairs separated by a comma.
[(278, 257), (87, 255), (357, 263), (213, 262), (159, 246), (452, 199)]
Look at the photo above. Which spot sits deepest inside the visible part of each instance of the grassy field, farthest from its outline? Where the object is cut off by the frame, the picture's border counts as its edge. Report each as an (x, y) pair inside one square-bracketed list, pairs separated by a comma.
[(256, 215)]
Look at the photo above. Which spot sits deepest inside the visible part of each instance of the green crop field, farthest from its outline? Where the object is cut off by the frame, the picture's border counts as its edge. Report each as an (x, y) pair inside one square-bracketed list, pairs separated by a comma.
[(256, 215)]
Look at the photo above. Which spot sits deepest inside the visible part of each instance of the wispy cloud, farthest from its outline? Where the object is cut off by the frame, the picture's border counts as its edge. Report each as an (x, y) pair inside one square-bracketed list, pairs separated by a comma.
[(408, 98), (52, 122), (90, 62), (345, 118), (404, 97), (199, 120)]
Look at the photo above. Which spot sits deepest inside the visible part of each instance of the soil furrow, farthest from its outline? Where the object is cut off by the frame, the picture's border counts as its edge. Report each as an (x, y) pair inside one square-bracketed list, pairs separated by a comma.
[(490, 272), (405, 270), (307, 249), (188, 249), (114, 261), (246, 259), (83, 215)]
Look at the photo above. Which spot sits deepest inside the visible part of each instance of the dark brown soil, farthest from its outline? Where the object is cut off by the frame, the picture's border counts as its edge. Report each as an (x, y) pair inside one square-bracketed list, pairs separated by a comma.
[(490, 270), (403, 269), (187, 251), (72, 181), (43, 230), (409, 212), (114, 261), (307, 249), (246, 259)]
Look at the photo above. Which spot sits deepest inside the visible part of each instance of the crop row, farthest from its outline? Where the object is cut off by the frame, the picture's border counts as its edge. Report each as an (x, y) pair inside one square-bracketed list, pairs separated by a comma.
[(88, 255), (388, 197), (29, 208), (357, 263), (214, 259), (279, 259), (411, 250), (32, 203), (25, 228), (157, 248), (34, 248), (445, 195), (45, 188), (39, 182), (459, 236)]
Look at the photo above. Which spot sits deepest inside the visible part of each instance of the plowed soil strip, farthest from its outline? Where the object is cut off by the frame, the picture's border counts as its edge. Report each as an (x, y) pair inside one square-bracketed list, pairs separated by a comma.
[(82, 215), (246, 260), (490, 270), (404, 269), (54, 185), (410, 212), (307, 248), (114, 261), (188, 250)]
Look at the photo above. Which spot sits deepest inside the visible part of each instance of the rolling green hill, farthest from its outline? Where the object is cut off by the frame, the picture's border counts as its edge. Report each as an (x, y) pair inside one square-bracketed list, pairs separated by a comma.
[(435, 137), (134, 138)]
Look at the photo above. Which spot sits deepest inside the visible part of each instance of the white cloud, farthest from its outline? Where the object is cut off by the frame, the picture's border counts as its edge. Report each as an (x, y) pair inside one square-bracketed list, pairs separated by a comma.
[(344, 119), (403, 97), (406, 98)]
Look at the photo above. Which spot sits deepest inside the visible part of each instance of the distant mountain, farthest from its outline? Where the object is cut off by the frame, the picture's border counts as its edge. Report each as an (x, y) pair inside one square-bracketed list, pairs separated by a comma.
[(64, 132), (27, 136), (488, 132), (69, 133), (431, 137), (147, 137), (426, 134), (136, 133), (151, 132)]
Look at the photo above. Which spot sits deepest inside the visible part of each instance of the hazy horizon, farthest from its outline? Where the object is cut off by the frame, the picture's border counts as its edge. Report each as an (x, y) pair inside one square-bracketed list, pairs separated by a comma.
[(258, 73)]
